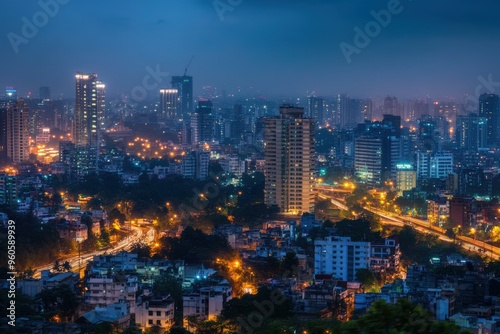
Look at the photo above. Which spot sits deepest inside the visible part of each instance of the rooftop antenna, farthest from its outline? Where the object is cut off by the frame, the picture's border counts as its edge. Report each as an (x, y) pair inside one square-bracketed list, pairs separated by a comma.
[(186, 69)]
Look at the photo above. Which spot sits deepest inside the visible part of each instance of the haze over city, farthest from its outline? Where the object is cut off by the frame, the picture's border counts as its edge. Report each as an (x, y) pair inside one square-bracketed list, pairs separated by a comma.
[(249, 166), (280, 47)]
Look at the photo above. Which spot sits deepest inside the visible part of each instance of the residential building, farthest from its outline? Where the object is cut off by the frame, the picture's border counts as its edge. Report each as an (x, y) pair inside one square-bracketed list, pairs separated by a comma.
[(289, 151), (341, 257), (18, 132), (155, 312)]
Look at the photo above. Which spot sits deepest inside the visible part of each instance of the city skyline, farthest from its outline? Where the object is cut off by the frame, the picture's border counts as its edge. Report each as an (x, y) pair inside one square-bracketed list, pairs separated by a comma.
[(407, 56)]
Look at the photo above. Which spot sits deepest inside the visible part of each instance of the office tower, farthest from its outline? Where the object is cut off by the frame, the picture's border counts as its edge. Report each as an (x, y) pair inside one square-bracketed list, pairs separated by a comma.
[(195, 165), (169, 105), (101, 107), (315, 108), (471, 132), (434, 165), (202, 123), (238, 122), (406, 177), (378, 148), (341, 257), (289, 151), (44, 93), (368, 160), (429, 138), (18, 132), (489, 107), (3, 134), (11, 94), (184, 86)]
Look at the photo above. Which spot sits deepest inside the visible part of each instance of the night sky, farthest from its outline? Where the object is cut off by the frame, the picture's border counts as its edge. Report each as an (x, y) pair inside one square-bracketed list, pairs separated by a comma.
[(436, 48)]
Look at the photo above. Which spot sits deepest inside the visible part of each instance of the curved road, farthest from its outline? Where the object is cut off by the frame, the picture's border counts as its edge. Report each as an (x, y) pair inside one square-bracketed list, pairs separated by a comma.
[(123, 245), (423, 226)]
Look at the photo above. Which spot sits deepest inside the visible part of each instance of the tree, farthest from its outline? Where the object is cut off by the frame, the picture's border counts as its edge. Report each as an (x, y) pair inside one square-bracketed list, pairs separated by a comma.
[(87, 220), (178, 330), (61, 267), (141, 249), (367, 278), (289, 265), (59, 301), (402, 317)]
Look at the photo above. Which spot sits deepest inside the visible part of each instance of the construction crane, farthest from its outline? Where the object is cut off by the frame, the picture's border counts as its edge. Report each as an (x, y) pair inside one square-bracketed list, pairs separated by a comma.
[(186, 69)]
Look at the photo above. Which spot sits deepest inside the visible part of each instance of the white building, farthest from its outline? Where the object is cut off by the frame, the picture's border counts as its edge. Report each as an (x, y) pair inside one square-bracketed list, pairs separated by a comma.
[(434, 165), (341, 257), (207, 303), (232, 164), (101, 290), (155, 312)]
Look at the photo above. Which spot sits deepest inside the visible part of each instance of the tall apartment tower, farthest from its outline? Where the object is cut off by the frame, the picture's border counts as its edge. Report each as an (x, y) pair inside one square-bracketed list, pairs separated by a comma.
[(89, 122), (184, 85), (290, 161), (316, 106), (169, 104), (101, 106), (489, 107), (86, 111), (471, 132), (18, 132)]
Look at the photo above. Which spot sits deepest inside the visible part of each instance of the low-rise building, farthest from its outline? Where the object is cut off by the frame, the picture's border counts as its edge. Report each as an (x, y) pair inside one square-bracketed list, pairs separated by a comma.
[(155, 312), (206, 303)]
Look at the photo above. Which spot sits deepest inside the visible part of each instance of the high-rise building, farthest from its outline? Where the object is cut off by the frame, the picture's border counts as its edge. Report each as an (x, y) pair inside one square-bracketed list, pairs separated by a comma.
[(88, 123), (489, 107), (202, 123), (101, 106), (472, 132), (434, 165), (315, 108), (86, 106), (340, 115), (368, 160), (378, 148), (429, 137), (44, 93), (391, 106), (3, 134), (195, 165), (289, 150), (11, 94), (18, 132), (169, 104), (184, 85)]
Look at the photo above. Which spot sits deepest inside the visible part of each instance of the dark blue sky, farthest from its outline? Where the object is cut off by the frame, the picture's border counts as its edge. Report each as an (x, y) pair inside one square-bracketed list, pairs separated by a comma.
[(436, 48)]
